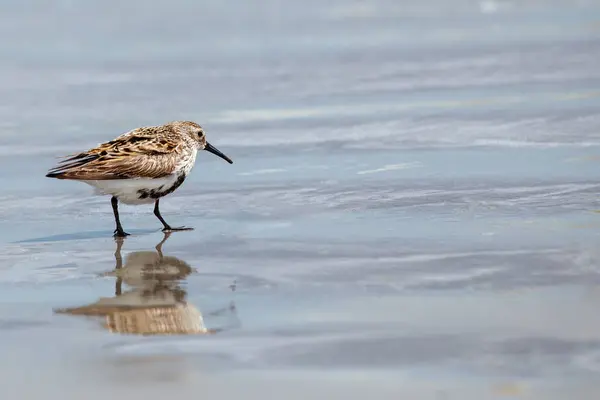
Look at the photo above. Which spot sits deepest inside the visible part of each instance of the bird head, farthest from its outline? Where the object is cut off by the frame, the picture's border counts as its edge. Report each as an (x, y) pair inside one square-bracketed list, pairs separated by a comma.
[(196, 133)]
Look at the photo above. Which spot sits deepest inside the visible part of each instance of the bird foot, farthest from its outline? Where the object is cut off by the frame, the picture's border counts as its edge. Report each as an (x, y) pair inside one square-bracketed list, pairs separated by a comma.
[(120, 233), (179, 228)]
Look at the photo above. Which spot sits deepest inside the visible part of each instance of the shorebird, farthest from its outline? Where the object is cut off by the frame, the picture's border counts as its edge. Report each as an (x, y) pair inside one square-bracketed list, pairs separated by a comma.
[(140, 166)]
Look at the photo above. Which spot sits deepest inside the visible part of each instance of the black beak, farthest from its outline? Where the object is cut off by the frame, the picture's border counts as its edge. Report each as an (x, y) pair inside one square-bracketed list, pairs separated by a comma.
[(209, 147)]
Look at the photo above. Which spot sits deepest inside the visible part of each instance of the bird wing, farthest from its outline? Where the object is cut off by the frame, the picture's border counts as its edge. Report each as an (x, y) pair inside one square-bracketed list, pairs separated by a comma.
[(141, 153)]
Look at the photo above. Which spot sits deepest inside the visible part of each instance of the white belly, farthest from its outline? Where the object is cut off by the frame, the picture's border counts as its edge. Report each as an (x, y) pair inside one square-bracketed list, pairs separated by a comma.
[(127, 190)]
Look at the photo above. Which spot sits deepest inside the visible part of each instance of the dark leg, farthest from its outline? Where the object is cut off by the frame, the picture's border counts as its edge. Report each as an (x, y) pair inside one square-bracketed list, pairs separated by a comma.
[(160, 218), (167, 227), (119, 232)]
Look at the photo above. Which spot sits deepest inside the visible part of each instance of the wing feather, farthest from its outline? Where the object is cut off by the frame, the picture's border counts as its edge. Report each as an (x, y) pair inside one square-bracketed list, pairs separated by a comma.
[(149, 152)]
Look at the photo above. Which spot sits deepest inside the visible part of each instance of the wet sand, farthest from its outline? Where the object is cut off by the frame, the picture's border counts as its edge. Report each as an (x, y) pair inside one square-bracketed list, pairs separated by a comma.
[(412, 210)]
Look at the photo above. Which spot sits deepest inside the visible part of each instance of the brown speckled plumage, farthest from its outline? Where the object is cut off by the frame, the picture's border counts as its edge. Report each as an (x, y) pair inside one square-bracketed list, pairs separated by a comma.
[(146, 152)]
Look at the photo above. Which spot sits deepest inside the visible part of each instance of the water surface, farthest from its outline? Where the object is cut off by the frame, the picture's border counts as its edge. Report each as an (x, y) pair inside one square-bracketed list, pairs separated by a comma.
[(412, 211)]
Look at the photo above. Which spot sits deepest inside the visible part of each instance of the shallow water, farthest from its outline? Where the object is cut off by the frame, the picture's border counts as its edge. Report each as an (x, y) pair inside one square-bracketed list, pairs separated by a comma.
[(412, 211)]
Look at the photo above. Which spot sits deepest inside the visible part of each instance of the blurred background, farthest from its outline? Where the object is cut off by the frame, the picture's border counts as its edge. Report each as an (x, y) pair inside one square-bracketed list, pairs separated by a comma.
[(412, 210), (358, 74)]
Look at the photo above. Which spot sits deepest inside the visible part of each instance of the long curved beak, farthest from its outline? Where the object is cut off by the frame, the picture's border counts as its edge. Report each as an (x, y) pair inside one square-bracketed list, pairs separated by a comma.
[(210, 148)]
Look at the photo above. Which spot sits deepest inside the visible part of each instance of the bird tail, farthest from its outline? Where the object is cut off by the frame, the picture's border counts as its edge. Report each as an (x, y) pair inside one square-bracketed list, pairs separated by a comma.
[(61, 171)]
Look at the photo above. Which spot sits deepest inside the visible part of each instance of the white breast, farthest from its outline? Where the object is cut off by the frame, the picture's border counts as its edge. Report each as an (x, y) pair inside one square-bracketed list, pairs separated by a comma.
[(187, 162), (126, 190)]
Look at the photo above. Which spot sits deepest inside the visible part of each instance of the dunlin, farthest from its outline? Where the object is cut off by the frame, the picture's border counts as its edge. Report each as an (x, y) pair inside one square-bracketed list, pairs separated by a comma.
[(140, 166)]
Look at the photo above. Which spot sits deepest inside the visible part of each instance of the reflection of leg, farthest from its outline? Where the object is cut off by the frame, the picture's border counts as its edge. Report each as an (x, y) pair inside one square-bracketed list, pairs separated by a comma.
[(119, 265), (234, 321), (223, 310), (118, 286), (118, 258), (159, 246)]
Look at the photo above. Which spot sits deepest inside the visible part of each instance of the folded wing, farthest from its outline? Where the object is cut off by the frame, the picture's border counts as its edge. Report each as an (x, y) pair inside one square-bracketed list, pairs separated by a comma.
[(134, 155)]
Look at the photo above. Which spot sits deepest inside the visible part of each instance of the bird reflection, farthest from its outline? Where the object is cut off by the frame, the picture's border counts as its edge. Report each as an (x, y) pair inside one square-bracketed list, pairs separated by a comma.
[(156, 304)]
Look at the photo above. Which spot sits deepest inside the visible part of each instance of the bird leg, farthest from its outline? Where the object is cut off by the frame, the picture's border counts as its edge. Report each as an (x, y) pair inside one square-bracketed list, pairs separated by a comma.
[(167, 227), (119, 232)]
